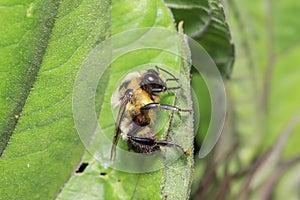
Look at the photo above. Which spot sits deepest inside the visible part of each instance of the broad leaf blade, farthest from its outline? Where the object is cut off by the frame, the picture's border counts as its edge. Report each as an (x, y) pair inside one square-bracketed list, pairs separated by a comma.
[(24, 32), (45, 146)]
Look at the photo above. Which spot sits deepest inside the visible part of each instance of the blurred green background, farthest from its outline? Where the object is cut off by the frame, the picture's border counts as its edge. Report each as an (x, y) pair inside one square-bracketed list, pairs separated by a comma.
[(258, 154)]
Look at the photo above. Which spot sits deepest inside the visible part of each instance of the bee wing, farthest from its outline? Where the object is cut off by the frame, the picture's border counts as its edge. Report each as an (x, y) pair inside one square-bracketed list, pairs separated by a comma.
[(126, 98)]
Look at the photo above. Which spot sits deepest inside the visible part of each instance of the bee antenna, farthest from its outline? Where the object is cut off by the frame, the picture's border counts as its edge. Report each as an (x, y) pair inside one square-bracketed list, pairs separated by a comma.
[(161, 69)]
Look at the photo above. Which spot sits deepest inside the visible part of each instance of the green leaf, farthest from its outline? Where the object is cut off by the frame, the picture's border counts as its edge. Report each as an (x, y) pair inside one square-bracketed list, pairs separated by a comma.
[(205, 22), (113, 182), (25, 30), (44, 147)]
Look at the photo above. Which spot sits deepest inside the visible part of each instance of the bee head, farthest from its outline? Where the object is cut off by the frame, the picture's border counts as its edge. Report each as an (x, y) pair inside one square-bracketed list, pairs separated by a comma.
[(152, 82)]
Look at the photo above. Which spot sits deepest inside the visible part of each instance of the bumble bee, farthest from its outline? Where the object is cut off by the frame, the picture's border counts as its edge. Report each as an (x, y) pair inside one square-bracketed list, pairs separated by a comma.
[(137, 96)]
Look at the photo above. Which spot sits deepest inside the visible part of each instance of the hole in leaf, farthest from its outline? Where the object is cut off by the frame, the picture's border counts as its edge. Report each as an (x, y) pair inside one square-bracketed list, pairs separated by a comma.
[(102, 173), (82, 167)]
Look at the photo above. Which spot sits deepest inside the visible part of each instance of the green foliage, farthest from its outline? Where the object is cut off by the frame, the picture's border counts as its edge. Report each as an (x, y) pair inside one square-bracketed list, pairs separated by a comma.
[(43, 45), (44, 147), (205, 22), (257, 156), (24, 35)]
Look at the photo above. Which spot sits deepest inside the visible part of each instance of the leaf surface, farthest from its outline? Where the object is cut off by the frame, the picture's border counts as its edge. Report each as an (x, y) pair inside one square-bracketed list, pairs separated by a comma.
[(44, 147), (205, 22)]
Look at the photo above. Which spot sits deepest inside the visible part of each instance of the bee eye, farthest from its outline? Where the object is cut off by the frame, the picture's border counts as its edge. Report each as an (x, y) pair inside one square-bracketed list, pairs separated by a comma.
[(150, 78)]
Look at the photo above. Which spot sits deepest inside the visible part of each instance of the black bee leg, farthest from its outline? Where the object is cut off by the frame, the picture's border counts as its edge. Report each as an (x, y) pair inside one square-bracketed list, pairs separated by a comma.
[(163, 106), (172, 79), (169, 144), (168, 79), (173, 88), (141, 145), (158, 90), (147, 145)]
